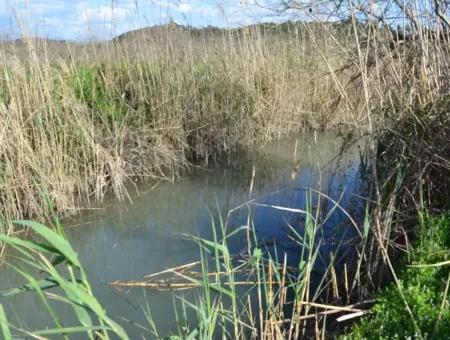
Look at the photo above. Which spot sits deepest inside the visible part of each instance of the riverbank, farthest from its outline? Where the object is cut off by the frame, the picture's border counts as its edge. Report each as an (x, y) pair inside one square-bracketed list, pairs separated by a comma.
[(148, 120), (410, 231), (77, 127), (418, 306)]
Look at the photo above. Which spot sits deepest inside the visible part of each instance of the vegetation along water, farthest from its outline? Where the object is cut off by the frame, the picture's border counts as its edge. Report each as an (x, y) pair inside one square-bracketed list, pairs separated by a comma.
[(278, 181)]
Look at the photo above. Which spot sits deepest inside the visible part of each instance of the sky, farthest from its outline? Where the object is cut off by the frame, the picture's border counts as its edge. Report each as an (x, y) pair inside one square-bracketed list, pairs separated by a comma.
[(104, 19)]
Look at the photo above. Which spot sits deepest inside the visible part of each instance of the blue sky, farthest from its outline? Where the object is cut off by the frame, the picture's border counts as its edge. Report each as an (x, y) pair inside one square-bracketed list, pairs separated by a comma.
[(101, 19)]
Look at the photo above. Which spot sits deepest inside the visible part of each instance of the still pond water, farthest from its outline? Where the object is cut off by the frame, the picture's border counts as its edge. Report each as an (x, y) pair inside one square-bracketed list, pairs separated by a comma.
[(128, 240)]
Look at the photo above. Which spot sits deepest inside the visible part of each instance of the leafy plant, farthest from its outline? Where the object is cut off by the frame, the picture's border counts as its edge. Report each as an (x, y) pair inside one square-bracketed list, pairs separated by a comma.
[(53, 257), (425, 287)]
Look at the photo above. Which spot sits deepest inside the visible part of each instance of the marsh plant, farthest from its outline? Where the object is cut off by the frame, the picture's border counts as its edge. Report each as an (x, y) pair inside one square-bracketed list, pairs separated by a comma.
[(56, 265), (252, 293), (81, 126), (91, 118), (424, 282)]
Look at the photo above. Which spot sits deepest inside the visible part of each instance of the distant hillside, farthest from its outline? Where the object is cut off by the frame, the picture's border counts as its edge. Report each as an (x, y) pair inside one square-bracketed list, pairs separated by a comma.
[(267, 27), (164, 29), (130, 44)]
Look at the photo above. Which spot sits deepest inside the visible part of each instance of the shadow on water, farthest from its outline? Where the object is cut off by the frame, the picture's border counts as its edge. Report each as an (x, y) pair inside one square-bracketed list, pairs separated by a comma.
[(126, 241)]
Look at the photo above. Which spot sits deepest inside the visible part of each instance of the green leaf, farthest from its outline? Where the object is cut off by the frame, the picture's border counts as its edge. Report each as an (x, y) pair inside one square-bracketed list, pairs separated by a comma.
[(27, 244), (35, 285), (439, 264), (366, 224), (57, 241), (68, 330), (4, 325), (257, 255), (46, 283), (222, 290), (193, 335)]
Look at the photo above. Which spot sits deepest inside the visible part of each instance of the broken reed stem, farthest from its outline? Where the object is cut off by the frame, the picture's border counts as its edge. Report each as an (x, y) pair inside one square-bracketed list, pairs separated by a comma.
[(168, 286)]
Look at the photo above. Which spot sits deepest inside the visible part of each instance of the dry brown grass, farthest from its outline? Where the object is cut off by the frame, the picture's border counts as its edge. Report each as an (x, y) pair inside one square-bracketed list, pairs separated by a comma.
[(81, 120)]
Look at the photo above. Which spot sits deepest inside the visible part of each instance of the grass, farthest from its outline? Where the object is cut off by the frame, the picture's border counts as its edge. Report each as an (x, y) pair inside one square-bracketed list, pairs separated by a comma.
[(425, 287), (47, 258), (81, 127), (78, 127)]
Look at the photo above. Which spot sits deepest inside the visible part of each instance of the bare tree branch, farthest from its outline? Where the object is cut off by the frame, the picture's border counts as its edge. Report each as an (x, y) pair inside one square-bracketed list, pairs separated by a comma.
[(440, 14)]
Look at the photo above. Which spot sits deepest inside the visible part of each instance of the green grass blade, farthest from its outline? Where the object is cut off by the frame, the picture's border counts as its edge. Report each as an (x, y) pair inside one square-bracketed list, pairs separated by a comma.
[(69, 330), (439, 264), (34, 285), (13, 241), (4, 325), (43, 284), (57, 241)]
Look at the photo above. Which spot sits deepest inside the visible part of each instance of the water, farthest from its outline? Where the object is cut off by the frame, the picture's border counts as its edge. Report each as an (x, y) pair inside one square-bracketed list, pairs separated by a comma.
[(126, 241)]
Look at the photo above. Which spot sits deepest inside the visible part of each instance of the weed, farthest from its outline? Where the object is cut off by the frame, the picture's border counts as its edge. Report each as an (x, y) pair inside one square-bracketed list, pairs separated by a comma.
[(425, 289)]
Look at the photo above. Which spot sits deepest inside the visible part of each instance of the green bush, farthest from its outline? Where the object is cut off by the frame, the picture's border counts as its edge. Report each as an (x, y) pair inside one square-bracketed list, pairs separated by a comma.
[(425, 290)]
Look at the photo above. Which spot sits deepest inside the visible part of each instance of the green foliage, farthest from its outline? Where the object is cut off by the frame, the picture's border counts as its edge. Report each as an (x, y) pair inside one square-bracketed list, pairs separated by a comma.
[(5, 97), (424, 288), (90, 87), (4, 326), (58, 262)]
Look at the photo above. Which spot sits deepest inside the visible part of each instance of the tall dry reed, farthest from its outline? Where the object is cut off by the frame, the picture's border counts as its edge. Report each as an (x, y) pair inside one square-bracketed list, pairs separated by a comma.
[(79, 120)]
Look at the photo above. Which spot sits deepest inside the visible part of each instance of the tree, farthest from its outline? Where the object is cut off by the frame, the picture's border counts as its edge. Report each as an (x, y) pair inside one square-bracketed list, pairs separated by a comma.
[(417, 14)]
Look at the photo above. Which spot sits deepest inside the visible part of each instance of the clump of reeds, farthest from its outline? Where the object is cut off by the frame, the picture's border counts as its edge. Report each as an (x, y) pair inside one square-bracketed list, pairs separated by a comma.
[(255, 293), (403, 75), (79, 120)]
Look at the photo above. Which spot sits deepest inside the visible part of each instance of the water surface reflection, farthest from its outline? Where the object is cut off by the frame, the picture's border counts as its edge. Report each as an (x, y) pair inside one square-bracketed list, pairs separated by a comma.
[(125, 241)]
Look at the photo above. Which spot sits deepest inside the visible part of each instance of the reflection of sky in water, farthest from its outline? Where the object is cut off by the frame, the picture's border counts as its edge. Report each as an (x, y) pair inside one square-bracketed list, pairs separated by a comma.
[(128, 241)]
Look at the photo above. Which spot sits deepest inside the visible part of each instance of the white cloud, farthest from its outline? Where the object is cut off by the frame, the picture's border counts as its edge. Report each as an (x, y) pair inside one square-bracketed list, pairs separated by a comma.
[(185, 8), (35, 7), (103, 13), (44, 7)]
